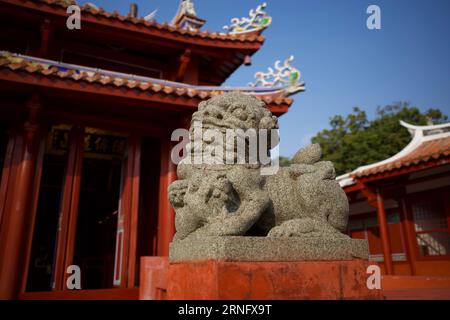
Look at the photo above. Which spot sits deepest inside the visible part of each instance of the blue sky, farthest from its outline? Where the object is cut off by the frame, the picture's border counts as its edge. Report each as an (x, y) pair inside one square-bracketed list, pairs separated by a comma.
[(342, 62)]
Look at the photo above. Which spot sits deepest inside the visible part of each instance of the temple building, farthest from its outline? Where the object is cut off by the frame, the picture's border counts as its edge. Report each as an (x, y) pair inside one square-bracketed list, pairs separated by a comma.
[(86, 117), (401, 205)]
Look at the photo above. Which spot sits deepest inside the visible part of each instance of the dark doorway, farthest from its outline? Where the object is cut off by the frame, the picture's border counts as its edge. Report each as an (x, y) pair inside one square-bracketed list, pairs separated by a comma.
[(148, 199), (46, 225), (97, 221), (85, 205)]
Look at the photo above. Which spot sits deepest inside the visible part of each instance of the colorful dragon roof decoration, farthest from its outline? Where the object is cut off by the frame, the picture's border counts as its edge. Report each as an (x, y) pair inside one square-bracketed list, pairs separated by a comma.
[(284, 76), (258, 20)]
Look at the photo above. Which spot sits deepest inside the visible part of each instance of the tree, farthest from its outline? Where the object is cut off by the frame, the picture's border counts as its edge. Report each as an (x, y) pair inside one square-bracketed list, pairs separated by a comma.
[(284, 161), (354, 141)]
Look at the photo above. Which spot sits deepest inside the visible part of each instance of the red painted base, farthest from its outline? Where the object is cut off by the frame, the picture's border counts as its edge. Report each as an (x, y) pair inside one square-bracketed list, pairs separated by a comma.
[(416, 288), (211, 280), (153, 278)]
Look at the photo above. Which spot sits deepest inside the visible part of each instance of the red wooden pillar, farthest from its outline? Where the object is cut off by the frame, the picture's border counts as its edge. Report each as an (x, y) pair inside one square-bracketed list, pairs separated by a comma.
[(134, 210), (7, 171), (166, 214), (46, 35), (385, 241), (16, 231), (408, 228)]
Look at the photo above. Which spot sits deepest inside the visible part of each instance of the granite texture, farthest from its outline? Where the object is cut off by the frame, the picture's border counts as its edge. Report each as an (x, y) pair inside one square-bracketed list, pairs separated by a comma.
[(304, 248), (308, 155), (233, 212)]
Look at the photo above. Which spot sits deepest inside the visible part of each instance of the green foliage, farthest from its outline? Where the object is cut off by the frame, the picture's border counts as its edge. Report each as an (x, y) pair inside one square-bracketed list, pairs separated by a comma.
[(354, 140), (284, 161)]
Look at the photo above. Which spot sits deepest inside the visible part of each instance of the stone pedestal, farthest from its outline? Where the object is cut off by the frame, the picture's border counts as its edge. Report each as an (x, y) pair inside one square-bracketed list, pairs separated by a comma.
[(215, 279), (308, 267), (308, 280), (252, 249), (153, 278)]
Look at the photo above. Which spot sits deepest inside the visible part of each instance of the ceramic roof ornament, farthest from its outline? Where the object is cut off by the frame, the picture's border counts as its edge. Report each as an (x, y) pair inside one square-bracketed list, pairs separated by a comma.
[(282, 76), (257, 20), (186, 17)]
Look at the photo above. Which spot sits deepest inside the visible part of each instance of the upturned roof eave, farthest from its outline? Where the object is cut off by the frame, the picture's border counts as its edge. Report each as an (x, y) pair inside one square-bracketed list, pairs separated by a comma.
[(348, 179), (16, 64), (140, 25)]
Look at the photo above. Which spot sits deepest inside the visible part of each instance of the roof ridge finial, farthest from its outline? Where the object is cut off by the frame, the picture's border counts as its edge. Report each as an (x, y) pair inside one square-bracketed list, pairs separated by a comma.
[(189, 7), (186, 16)]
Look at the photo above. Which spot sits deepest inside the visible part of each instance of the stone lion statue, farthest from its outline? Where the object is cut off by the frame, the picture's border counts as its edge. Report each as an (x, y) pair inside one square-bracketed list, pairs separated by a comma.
[(236, 200)]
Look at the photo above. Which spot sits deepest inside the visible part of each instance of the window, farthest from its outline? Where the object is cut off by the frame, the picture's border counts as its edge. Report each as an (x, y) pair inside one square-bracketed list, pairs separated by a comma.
[(431, 223)]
